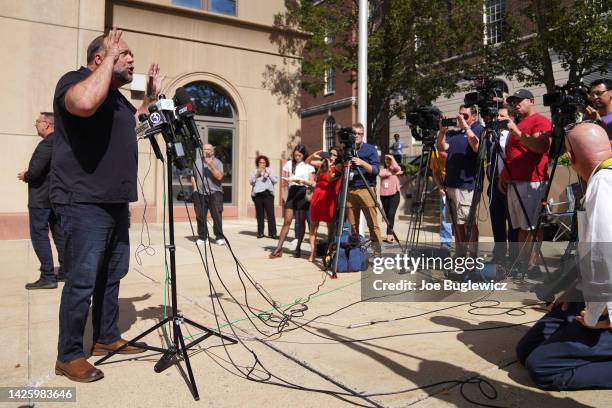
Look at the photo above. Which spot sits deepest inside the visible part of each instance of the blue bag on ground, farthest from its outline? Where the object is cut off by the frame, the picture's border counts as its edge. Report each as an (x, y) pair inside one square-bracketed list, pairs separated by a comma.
[(353, 258)]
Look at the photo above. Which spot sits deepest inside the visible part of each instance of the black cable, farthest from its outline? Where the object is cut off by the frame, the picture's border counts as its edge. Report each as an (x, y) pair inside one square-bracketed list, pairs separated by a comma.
[(297, 311)]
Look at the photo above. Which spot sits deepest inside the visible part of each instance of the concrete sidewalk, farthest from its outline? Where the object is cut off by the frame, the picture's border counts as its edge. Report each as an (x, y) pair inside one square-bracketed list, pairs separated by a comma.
[(398, 362)]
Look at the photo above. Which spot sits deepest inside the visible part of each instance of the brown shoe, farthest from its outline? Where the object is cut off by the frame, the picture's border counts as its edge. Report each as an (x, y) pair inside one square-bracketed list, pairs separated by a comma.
[(277, 253), (78, 370), (100, 349)]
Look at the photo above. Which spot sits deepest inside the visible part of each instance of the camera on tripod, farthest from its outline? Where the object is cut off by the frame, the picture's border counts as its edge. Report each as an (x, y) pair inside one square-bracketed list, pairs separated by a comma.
[(489, 97), (571, 96), (346, 138), (423, 121)]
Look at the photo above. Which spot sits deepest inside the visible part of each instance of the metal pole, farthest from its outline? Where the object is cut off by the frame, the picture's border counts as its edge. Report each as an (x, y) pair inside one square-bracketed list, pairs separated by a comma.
[(362, 80)]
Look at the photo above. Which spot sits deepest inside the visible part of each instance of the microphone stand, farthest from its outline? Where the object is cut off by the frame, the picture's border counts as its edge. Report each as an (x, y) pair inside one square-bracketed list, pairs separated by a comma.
[(177, 347)]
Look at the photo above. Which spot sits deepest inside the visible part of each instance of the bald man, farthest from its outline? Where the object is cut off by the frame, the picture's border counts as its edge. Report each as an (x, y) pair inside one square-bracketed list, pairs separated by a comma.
[(570, 348), (94, 170)]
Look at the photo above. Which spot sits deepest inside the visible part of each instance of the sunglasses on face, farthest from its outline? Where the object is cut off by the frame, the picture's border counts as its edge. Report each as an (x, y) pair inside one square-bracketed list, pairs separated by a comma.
[(597, 94)]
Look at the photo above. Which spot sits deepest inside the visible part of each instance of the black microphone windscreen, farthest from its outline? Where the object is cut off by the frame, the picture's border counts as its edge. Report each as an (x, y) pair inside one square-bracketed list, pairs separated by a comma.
[(181, 97), (152, 108), (143, 117)]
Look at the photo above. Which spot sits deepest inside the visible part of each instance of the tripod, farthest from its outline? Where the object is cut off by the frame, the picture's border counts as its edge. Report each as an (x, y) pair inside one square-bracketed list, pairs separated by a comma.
[(563, 116), (177, 347), (420, 196), (341, 204), (418, 204)]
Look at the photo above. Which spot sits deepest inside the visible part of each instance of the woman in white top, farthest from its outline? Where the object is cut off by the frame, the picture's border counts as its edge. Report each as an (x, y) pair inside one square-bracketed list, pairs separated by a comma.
[(297, 174)]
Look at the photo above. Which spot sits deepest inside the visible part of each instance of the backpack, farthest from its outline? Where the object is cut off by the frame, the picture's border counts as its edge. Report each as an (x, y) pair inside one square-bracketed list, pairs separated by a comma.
[(353, 255)]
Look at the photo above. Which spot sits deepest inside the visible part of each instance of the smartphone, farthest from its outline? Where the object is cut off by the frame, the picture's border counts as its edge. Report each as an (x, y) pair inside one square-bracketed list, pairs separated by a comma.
[(449, 122)]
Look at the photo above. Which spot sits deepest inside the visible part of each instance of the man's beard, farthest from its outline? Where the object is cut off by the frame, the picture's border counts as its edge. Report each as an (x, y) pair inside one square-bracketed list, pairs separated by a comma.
[(123, 76)]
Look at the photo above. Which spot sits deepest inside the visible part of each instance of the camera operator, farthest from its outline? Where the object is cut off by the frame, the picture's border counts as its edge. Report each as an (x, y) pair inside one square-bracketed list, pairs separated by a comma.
[(527, 158), (569, 348), (358, 198), (462, 148), (600, 96)]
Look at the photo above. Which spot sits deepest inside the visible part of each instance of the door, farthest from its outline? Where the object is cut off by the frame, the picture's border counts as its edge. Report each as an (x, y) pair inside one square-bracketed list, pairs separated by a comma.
[(222, 137)]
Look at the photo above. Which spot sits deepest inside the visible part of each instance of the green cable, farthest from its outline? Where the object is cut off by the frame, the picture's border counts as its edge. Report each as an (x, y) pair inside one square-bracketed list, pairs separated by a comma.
[(295, 302)]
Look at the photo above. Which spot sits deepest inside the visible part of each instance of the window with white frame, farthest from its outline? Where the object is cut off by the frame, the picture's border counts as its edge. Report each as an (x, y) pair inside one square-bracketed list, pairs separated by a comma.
[(494, 20), (330, 82), (330, 135), (216, 6)]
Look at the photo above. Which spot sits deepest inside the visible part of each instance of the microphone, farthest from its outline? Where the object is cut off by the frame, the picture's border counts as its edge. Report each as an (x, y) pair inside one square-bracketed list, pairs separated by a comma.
[(185, 112), (143, 127), (164, 104), (162, 121), (144, 131)]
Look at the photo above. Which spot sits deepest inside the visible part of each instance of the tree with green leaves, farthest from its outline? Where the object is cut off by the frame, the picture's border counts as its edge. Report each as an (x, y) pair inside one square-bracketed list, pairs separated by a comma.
[(410, 45), (577, 32)]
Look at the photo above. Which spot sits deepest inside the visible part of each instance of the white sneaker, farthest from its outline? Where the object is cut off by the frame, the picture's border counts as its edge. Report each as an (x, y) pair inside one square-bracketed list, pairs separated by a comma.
[(220, 242), (293, 245), (201, 242)]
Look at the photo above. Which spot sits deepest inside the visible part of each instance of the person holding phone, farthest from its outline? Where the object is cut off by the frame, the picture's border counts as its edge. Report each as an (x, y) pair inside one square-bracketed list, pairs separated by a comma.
[(298, 175), (263, 179), (461, 145)]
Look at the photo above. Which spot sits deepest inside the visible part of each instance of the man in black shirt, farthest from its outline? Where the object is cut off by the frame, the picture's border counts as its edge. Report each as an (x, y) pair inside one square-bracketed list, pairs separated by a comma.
[(41, 215), (93, 178)]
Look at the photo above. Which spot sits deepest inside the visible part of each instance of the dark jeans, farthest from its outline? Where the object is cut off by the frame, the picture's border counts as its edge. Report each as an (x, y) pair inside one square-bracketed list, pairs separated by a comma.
[(562, 354), (501, 225), (390, 204), (41, 220), (96, 257), (264, 203), (203, 203)]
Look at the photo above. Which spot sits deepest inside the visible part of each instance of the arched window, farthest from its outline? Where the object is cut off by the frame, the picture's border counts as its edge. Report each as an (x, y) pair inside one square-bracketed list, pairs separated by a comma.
[(216, 121), (330, 133), (209, 100)]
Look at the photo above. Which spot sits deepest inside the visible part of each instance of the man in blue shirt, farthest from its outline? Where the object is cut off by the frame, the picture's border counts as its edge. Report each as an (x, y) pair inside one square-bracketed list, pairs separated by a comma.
[(397, 148), (461, 146), (358, 198)]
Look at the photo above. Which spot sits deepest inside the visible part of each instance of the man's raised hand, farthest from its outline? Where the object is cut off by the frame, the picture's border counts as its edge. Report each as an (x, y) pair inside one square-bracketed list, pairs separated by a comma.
[(111, 44), (154, 81)]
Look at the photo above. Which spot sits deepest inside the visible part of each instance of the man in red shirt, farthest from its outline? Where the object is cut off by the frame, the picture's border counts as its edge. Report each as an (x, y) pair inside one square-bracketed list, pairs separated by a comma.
[(527, 168)]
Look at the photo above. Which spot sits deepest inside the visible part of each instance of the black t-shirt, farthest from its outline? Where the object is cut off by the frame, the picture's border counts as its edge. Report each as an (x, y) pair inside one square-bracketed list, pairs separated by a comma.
[(95, 159)]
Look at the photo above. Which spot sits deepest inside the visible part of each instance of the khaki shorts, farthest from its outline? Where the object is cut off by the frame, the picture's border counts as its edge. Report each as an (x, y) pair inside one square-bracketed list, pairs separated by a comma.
[(531, 193), (460, 203)]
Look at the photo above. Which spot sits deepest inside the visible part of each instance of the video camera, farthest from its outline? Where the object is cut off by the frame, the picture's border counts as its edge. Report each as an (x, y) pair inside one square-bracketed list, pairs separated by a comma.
[(424, 122), (489, 97), (568, 97), (346, 138)]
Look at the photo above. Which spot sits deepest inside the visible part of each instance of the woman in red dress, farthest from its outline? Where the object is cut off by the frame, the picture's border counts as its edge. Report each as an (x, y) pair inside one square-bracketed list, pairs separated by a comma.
[(324, 195)]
